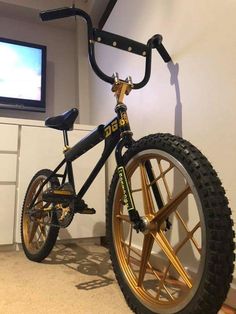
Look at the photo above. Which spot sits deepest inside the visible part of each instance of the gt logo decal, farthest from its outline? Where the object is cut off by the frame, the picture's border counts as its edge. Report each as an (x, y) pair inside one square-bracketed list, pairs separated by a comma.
[(114, 125), (111, 128)]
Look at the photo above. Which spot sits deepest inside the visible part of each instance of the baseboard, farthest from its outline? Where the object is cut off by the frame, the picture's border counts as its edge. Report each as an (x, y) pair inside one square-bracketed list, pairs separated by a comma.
[(8, 247)]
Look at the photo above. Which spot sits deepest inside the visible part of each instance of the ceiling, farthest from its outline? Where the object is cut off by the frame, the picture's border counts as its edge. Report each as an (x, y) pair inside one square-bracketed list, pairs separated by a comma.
[(28, 10)]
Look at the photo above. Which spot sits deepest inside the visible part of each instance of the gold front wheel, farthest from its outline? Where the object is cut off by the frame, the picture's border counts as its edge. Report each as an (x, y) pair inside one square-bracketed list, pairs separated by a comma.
[(166, 268)]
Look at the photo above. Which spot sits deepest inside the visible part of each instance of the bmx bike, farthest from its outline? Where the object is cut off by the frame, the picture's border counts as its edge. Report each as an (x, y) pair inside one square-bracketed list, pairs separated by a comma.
[(167, 220)]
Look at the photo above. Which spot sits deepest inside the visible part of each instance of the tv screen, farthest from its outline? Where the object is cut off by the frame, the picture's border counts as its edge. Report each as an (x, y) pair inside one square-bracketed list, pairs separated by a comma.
[(22, 75)]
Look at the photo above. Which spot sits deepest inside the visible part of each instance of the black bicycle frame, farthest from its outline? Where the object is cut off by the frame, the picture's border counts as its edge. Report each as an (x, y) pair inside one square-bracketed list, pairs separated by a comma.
[(116, 133), (110, 133)]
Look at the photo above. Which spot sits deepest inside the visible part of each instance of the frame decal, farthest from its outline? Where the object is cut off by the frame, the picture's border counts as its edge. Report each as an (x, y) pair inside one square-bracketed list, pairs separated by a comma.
[(111, 128), (115, 124), (123, 119), (128, 200)]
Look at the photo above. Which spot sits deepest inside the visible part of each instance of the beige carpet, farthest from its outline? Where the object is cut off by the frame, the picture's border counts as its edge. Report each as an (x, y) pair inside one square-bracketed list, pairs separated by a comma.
[(75, 279)]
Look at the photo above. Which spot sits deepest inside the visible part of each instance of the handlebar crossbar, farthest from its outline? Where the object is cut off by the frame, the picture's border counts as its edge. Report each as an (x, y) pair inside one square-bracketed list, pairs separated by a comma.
[(120, 42), (116, 41)]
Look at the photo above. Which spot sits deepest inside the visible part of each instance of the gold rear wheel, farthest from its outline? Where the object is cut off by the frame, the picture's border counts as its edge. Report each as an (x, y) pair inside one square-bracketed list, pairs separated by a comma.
[(162, 268), (38, 236)]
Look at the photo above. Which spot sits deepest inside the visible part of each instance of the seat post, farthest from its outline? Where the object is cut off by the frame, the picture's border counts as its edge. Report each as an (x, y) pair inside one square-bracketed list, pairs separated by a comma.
[(66, 140)]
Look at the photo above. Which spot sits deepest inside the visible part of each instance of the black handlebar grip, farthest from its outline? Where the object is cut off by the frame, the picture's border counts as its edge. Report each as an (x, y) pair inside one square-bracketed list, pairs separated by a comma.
[(157, 43), (57, 14), (163, 52)]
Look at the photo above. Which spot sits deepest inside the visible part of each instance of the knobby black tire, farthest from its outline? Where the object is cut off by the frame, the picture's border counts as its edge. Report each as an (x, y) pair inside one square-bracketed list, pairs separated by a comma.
[(219, 257), (53, 231)]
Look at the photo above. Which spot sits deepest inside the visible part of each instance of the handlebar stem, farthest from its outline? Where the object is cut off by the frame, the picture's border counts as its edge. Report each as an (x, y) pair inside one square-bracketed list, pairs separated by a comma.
[(121, 88)]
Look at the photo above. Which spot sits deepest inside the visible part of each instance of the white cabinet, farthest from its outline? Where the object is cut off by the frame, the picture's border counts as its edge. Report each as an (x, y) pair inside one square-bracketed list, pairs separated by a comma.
[(28, 147)]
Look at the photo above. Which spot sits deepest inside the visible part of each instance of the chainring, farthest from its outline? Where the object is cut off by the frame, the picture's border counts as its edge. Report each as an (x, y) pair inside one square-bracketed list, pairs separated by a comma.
[(64, 216)]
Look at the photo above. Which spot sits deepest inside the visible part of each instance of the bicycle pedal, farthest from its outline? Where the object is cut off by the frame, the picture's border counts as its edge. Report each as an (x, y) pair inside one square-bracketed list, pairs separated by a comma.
[(87, 211), (81, 207), (62, 194)]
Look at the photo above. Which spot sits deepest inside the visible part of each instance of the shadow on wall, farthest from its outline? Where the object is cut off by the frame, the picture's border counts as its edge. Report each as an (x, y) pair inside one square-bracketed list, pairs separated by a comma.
[(186, 253), (174, 71)]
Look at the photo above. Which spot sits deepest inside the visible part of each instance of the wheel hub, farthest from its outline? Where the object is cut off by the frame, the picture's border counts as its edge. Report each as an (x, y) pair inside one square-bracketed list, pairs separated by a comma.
[(148, 226)]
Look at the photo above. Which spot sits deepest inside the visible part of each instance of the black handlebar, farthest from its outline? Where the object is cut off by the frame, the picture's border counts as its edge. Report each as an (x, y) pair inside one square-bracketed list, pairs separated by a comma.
[(57, 14), (116, 41)]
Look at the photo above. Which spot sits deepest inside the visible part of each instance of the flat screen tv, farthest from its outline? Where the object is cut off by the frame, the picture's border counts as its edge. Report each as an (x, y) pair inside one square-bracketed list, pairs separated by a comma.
[(22, 75)]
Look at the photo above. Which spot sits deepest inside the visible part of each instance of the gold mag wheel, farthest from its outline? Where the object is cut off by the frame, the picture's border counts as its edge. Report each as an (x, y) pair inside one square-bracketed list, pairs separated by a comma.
[(38, 237), (162, 266)]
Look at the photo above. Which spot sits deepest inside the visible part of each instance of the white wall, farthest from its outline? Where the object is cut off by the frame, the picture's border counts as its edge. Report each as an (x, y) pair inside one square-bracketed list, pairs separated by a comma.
[(193, 97), (61, 87)]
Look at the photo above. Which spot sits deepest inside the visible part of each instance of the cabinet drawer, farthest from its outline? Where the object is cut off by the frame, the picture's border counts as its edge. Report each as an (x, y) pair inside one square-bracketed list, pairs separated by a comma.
[(8, 167), (8, 137)]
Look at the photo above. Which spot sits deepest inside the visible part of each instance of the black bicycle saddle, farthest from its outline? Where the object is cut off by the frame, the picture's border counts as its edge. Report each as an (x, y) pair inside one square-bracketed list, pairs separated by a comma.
[(64, 121)]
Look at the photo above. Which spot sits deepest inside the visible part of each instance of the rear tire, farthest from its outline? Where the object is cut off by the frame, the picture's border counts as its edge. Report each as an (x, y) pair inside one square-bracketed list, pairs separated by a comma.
[(186, 269), (38, 239)]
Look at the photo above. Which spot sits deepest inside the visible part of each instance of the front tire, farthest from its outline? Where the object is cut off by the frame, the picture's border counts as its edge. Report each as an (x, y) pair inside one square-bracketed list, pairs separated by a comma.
[(186, 268), (38, 237)]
